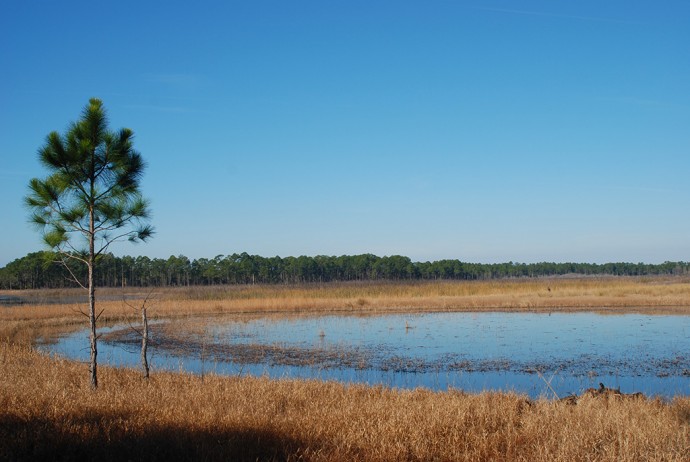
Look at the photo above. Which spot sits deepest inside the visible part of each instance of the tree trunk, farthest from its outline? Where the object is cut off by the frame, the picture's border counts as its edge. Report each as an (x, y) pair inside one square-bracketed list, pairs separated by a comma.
[(92, 307), (144, 341)]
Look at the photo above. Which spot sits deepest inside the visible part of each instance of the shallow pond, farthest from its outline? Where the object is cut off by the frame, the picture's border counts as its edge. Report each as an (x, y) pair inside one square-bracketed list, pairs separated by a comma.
[(537, 354)]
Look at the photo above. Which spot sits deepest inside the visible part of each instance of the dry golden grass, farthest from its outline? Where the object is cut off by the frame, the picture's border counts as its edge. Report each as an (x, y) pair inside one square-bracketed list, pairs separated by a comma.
[(42, 318), (667, 295), (48, 411), (554, 293), (663, 295)]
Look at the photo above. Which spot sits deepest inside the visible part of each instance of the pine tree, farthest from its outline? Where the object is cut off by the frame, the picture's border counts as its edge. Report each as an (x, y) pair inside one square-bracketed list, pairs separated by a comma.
[(90, 199)]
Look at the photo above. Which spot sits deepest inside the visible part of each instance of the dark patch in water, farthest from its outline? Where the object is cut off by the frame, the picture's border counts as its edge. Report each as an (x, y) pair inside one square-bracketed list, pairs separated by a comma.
[(383, 359), (10, 300), (438, 351)]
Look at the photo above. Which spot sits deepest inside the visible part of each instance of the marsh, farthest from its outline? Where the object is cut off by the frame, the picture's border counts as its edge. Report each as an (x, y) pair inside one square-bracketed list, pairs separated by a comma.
[(539, 354)]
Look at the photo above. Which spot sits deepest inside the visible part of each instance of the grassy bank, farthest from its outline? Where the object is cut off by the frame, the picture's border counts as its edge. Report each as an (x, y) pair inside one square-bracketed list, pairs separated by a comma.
[(41, 316), (47, 410)]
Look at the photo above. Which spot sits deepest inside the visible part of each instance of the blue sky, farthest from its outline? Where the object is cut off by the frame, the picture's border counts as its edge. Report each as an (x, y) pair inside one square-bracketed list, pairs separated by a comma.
[(486, 131)]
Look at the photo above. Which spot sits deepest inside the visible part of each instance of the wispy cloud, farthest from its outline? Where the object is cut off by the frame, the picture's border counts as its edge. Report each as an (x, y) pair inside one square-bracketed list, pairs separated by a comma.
[(556, 15)]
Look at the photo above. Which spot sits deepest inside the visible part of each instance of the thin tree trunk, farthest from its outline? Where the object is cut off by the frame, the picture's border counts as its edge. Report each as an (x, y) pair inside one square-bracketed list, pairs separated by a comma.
[(92, 307), (144, 341)]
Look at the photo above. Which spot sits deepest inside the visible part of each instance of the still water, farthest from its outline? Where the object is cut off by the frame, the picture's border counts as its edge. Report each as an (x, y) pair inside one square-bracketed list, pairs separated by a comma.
[(532, 353)]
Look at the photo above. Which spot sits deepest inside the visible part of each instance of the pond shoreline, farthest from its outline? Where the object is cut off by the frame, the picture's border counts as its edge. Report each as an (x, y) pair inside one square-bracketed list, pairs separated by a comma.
[(245, 417), (250, 346), (361, 358)]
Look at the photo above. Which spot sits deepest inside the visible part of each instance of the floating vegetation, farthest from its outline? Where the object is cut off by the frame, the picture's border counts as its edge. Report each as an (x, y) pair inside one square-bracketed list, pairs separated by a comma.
[(241, 343)]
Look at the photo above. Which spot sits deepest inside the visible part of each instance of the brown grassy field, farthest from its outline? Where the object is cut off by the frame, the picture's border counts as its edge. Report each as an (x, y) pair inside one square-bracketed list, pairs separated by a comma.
[(47, 410), (42, 316)]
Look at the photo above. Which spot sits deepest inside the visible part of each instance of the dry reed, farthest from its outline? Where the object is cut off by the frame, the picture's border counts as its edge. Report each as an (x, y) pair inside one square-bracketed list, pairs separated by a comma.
[(47, 410)]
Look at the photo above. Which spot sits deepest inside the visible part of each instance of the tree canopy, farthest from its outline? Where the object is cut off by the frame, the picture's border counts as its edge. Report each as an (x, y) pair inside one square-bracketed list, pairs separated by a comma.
[(89, 199), (91, 196), (36, 271)]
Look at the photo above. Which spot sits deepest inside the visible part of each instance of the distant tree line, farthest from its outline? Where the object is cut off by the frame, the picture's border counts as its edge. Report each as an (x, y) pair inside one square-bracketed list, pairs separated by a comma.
[(39, 270)]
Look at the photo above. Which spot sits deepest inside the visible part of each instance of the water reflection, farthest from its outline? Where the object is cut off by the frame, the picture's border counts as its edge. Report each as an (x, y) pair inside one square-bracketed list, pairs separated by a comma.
[(525, 352)]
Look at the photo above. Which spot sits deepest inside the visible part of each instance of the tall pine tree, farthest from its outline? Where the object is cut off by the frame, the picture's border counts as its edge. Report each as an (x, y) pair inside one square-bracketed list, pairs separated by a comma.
[(90, 198)]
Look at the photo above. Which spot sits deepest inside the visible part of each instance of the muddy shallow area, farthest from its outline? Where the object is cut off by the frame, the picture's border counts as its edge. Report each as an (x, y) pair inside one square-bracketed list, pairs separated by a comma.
[(532, 353)]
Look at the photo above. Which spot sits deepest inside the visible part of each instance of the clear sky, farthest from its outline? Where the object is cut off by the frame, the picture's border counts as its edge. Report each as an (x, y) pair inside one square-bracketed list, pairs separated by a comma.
[(485, 130)]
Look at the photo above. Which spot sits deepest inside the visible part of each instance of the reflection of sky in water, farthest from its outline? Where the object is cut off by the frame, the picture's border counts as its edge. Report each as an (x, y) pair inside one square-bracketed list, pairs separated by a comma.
[(582, 349), (519, 337)]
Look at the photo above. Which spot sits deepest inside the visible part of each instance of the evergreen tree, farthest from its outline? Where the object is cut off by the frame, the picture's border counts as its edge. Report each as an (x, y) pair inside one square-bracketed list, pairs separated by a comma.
[(90, 198)]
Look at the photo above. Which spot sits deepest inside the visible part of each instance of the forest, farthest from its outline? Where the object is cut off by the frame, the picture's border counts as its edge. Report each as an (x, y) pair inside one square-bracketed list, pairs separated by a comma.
[(44, 270)]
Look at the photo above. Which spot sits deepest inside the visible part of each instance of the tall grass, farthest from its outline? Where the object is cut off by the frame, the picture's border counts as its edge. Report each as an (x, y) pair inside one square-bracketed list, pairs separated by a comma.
[(48, 411), (55, 310), (624, 293)]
